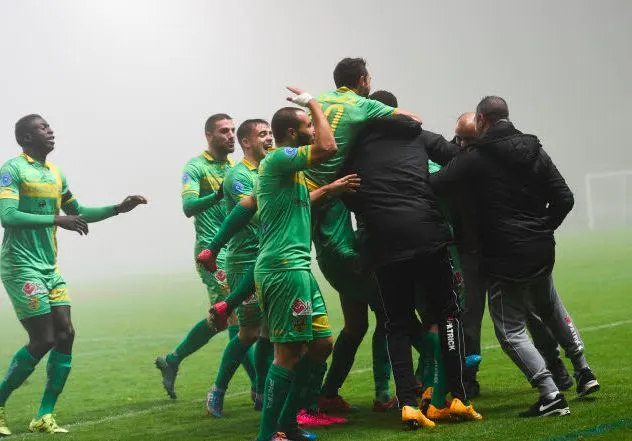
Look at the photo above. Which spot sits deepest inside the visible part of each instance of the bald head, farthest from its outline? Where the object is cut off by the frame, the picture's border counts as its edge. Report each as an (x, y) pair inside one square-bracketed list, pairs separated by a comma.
[(465, 131)]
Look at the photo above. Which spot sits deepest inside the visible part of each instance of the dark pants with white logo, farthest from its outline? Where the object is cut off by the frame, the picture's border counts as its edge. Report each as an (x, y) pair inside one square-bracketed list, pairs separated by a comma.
[(400, 283), (510, 305)]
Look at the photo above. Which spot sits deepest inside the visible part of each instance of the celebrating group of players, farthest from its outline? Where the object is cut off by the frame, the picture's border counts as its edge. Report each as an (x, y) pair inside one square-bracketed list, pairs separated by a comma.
[(496, 201)]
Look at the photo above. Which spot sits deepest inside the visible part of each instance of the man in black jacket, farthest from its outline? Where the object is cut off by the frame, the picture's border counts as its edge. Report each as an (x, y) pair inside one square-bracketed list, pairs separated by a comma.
[(406, 244), (521, 199)]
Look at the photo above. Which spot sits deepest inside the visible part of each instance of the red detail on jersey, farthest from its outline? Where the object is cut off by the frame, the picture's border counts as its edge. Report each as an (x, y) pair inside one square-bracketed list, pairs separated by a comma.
[(220, 275), (299, 307), (568, 320), (29, 288)]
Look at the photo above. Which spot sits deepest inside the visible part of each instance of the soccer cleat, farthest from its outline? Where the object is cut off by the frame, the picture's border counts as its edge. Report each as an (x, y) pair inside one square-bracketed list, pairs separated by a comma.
[(311, 418), (298, 434), (169, 373), (46, 424), (413, 418), (436, 414), (4, 429), (218, 316), (586, 382), (333, 419), (556, 406), (561, 377), (279, 436), (215, 402), (384, 406), (458, 409), (334, 404), (258, 403), (208, 259)]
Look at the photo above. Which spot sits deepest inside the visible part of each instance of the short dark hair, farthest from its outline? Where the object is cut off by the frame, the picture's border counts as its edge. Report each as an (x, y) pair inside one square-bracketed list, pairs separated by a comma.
[(284, 119), (23, 127), (348, 72), (209, 126), (247, 126), (493, 108), (384, 97)]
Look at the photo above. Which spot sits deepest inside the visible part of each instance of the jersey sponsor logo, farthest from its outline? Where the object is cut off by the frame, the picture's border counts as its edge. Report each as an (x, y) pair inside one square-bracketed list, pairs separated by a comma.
[(299, 323), (5, 180), (220, 275), (299, 307), (34, 303), (186, 178), (290, 151), (32, 288), (238, 187)]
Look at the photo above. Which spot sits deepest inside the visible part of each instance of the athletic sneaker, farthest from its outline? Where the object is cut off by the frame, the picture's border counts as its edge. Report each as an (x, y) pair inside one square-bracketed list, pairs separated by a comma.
[(46, 424), (215, 402), (561, 377), (169, 373), (586, 382), (458, 409), (413, 418), (334, 404), (556, 406), (298, 434), (4, 429), (384, 406), (436, 414), (311, 418)]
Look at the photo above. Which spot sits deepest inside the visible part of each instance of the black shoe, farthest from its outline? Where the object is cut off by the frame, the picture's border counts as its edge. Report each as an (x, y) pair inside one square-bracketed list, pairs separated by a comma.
[(298, 434), (586, 382), (561, 377), (557, 406)]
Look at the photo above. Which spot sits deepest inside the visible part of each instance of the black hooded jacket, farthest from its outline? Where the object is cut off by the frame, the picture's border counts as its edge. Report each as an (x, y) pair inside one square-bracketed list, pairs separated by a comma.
[(520, 199), (395, 203)]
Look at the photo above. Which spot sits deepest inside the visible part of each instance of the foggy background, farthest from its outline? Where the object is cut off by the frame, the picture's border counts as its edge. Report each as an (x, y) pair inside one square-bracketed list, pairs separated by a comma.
[(127, 86)]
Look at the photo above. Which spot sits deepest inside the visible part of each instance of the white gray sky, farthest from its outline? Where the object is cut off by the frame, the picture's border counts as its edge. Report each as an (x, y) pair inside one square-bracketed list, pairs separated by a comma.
[(127, 86)]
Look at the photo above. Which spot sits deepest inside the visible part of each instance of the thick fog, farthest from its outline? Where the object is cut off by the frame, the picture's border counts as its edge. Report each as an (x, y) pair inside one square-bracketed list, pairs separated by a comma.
[(127, 86)]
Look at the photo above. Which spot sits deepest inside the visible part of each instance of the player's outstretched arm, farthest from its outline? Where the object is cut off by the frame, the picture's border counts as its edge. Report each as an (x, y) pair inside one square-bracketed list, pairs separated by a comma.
[(324, 146), (193, 204), (97, 214), (237, 220), (346, 185)]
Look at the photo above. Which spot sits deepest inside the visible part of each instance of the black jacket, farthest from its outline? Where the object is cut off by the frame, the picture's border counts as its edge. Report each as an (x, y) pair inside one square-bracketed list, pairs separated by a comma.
[(520, 199), (395, 202)]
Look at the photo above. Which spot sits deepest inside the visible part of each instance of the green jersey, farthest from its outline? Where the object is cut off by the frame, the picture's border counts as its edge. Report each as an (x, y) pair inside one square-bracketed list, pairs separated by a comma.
[(41, 189), (201, 177), (284, 211), (243, 247), (344, 110)]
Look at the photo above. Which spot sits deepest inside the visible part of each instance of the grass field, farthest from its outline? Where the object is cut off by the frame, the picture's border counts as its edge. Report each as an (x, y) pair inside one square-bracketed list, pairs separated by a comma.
[(114, 392)]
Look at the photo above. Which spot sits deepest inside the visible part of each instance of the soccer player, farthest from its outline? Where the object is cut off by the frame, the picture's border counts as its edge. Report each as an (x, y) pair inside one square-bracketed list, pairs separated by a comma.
[(336, 244), (32, 192), (255, 138), (520, 199), (202, 199)]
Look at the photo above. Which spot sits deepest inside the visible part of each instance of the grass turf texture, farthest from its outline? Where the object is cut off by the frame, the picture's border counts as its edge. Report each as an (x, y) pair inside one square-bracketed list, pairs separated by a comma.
[(114, 392)]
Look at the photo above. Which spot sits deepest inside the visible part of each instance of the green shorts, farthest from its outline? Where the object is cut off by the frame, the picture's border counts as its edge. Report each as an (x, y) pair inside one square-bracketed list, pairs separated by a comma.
[(293, 306), (216, 283), (249, 313), (34, 294)]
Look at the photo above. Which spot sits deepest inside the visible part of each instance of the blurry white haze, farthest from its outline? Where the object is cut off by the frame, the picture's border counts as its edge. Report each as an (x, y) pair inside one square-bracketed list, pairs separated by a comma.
[(127, 86)]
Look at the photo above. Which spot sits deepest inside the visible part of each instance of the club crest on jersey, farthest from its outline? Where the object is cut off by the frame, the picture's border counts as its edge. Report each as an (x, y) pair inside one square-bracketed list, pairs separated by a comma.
[(31, 288), (5, 180), (299, 307), (238, 187), (186, 178), (220, 275), (290, 151)]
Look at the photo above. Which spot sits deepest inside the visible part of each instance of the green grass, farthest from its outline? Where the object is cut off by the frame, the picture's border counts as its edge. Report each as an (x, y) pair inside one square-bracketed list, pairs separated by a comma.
[(114, 392)]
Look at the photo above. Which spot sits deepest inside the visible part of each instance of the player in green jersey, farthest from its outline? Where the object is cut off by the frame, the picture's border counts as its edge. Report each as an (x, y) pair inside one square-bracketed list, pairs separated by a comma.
[(255, 138), (336, 244), (202, 199), (32, 193)]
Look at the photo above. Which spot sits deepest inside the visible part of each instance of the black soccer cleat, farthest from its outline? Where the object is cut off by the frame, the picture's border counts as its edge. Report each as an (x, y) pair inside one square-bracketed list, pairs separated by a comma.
[(586, 382), (557, 406)]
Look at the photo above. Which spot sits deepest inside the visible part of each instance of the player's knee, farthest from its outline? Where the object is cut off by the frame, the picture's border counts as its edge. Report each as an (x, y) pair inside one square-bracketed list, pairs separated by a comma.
[(40, 345), (65, 336), (356, 329), (321, 349), (248, 335)]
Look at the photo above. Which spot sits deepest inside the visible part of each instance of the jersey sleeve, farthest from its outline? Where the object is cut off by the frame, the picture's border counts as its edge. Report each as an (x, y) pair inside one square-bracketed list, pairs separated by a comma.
[(190, 181), (68, 201), (238, 184), (287, 160), (9, 182), (375, 109)]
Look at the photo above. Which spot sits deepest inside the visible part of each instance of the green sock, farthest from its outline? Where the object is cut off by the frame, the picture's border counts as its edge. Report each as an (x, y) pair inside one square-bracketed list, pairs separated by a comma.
[(263, 349), (314, 386), (342, 358), (381, 366), (22, 365), (247, 361), (243, 290), (439, 387), (427, 356), (304, 371), (197, 337), (234, 352), (277, 388), (58, 369)]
